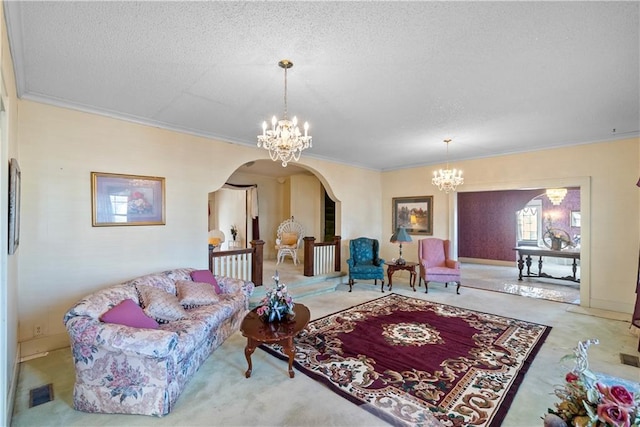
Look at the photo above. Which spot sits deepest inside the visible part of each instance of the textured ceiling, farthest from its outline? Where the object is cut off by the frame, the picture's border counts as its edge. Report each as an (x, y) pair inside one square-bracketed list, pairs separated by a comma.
[(381, 83)]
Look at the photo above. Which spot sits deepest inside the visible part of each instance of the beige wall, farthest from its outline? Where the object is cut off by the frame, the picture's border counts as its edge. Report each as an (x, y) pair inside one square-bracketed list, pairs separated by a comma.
[(606, 172), (9, 274), (64, 258)]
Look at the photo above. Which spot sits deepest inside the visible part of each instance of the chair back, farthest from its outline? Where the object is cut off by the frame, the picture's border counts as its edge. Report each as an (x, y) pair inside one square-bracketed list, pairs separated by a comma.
[(434, 251), (363, 250), (290, 233)]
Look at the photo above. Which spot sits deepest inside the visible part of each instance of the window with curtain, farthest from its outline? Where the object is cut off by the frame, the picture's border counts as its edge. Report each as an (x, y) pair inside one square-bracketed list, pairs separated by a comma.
[(529, 223)]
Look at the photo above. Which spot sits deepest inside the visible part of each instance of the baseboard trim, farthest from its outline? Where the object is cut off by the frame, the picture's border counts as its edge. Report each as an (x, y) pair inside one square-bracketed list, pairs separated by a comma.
[(43, 344), (13, 386), (488, 261)]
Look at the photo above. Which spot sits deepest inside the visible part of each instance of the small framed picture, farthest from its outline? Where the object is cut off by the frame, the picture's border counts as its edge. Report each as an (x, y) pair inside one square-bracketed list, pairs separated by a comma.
[(126, 200), (575, 218), (415, 214)]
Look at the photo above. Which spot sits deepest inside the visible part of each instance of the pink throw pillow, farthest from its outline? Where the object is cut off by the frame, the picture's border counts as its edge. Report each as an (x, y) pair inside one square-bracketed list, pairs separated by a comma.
[(206, 276), (129, 313)]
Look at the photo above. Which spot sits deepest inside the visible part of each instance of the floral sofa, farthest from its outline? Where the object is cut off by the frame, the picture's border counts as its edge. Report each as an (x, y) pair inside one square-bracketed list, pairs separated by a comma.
[(143, 369)]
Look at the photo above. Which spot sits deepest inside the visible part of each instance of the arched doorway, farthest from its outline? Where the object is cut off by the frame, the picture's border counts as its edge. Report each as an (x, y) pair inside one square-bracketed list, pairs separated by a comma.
[(281, 193)]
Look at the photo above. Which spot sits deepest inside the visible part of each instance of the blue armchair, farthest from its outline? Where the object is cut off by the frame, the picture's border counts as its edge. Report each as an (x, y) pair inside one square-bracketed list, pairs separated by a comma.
[(365, 262)]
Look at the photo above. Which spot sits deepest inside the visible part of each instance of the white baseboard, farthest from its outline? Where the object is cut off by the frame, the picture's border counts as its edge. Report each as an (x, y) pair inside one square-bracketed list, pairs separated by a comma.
[(487, 261), (43, 344), (13, 385)]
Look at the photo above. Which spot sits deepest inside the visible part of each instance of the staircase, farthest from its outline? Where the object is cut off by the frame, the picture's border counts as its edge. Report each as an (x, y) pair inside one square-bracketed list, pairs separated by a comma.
[(310, 286)]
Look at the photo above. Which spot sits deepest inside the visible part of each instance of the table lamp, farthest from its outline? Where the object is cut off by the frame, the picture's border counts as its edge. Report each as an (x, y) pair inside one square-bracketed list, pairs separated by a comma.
[(400, 236)]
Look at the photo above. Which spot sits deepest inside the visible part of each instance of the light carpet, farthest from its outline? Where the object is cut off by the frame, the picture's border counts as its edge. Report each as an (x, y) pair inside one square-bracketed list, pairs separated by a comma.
[(414, 362)]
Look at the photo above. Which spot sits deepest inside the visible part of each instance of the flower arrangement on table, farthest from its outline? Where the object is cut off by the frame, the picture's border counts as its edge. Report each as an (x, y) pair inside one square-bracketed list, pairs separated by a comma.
[(584, 401), (277, 304), (234, 232)]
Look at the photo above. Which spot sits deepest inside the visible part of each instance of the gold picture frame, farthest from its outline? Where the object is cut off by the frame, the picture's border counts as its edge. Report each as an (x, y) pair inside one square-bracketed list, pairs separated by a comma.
[(121, 200), (415, 214)]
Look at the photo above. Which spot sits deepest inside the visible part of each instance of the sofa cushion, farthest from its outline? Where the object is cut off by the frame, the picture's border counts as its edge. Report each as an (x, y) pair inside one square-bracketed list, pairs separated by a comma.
[(192, 294), (129, 313), (161, 305), (207, 277)]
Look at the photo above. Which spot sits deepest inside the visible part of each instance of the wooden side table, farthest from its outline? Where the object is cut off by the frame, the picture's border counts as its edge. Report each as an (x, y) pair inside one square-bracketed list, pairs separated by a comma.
[(258, 332), (392, 267)]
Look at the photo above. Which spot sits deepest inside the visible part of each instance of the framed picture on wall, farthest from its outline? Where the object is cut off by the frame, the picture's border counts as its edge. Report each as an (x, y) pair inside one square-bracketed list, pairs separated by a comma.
[(575, 218), (126, 200), (14, 206), (415, 214)]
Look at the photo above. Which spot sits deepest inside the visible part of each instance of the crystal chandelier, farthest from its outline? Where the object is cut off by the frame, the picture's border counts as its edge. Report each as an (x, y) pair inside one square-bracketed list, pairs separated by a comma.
[(448, 179), (284, 140), (556, 195)]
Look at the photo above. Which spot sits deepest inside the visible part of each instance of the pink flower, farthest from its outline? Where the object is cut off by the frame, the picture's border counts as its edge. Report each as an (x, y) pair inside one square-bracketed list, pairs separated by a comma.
[(613, 414), (616, 394), (261, 310), (571, 377)]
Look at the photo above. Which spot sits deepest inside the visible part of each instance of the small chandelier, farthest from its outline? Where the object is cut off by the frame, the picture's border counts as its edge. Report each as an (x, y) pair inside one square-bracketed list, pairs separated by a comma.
[(556, 195), (284, 140), (448, 179)]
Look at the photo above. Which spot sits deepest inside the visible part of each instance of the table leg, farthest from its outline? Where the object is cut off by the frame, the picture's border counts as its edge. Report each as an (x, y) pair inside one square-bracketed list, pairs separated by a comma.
[(528, 265), (412, 279), (540, 266), (248, 351), (575, 269), (389, 276), (289, 350), (520, 267)]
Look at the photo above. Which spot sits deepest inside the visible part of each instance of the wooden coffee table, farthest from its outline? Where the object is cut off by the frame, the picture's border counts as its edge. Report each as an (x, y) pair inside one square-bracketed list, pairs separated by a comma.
[(259, 332)]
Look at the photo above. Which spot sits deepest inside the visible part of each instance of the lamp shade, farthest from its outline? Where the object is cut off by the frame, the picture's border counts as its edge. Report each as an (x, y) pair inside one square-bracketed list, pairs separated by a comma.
[(400, 236)]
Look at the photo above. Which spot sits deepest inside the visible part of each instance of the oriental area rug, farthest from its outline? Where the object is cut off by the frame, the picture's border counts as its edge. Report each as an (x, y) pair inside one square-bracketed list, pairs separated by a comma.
[(413, 362)]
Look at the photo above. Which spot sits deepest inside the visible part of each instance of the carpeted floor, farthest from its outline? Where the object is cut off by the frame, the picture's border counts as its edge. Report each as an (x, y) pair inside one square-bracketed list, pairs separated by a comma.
[(417, 363), (219, 393)]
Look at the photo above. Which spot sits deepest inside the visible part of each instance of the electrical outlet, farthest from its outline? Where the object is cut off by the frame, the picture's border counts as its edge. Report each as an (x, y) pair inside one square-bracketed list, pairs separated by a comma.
[(37, 330)]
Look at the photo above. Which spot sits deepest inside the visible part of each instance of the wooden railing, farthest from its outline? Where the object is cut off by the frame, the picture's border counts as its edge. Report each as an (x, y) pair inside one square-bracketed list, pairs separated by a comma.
[(245, 264), (322, 257)]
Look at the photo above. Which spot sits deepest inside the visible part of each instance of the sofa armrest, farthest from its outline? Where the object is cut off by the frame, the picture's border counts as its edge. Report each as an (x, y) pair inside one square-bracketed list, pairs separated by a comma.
[(88, 336), (229, 285)]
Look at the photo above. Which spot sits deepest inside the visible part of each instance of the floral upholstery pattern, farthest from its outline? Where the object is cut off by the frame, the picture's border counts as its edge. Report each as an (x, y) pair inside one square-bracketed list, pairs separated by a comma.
[(364, 261), (127, 370)]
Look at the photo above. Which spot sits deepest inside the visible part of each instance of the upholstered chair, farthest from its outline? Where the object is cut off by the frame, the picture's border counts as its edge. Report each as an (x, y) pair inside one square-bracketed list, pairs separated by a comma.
[(289, 240), (364, 262), (435, 264)]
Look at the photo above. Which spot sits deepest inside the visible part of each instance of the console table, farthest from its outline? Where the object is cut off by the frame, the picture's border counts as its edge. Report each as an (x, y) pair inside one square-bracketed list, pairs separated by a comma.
[(529, 251), (392, 267)]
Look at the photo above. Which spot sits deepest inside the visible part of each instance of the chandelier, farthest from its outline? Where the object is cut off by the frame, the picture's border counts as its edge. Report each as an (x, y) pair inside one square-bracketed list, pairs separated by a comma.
[(284, 140), (556, 195), (448, 179)]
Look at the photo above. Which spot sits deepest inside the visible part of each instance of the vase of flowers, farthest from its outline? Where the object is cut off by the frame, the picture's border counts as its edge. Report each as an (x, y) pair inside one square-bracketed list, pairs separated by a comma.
[(587, 401), (234, 232), (277, 304)]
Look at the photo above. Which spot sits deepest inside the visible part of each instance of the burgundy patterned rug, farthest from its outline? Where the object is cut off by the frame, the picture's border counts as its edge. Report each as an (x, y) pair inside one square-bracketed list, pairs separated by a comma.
[(413, 362)]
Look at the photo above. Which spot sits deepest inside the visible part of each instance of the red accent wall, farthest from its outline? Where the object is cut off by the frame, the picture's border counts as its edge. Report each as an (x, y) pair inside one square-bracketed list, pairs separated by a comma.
[(487, 220)]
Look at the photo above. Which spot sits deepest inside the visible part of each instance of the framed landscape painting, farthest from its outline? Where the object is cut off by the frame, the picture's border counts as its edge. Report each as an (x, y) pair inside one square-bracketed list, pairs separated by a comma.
[(126, 200), (415, 214)]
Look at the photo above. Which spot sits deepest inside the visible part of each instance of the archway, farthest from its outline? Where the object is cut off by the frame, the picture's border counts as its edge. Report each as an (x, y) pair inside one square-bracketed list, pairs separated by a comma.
[(581, 184)]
